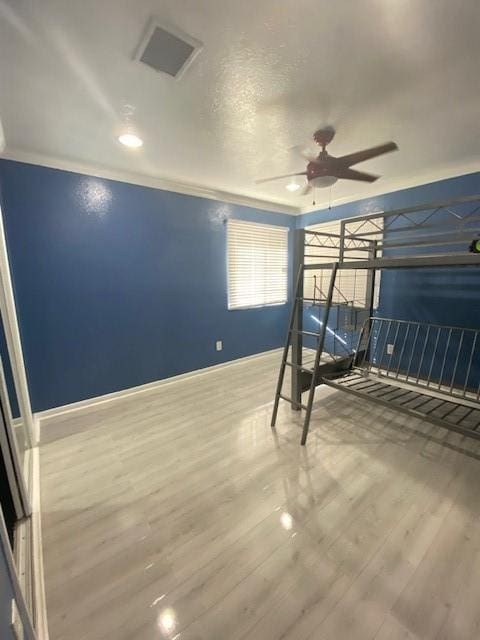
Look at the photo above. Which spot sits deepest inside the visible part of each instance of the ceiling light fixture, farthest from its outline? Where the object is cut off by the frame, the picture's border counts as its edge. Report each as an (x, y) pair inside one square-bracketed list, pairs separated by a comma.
[(130, 140), (293, 186)]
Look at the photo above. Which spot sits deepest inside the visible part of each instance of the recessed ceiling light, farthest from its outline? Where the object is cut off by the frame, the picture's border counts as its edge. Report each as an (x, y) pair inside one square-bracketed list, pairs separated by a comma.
[(130, 140), (292, 186)]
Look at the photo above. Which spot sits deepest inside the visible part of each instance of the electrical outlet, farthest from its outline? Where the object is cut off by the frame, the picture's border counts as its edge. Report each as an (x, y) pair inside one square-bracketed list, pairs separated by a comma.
[(218, 345), (389, 349)]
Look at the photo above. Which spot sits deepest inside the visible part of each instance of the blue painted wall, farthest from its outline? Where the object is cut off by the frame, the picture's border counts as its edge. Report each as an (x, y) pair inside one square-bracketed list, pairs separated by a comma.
[(118, 285)]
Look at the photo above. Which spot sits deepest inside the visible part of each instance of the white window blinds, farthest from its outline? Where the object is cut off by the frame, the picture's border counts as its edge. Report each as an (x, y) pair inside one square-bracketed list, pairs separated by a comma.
[(257, 264)]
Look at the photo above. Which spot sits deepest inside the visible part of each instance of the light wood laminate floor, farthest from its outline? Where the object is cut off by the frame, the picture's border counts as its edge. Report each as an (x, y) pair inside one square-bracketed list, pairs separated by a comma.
[(179, 514)]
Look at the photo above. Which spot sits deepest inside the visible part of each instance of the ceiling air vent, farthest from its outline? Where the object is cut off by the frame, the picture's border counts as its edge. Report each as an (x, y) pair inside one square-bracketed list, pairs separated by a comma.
[(167, 49)]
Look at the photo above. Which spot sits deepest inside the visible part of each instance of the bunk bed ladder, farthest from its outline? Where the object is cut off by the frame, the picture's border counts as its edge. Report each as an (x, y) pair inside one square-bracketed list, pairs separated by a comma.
[(294, 333), (318, 354)]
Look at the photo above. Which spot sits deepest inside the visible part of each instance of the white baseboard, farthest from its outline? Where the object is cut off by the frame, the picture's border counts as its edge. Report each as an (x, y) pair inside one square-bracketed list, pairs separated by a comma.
[(41, 625), (17, 423), (42, 418)]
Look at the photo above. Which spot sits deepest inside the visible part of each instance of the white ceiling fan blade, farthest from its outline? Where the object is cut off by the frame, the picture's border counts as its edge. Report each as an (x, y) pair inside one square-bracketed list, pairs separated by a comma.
[(286, 175)]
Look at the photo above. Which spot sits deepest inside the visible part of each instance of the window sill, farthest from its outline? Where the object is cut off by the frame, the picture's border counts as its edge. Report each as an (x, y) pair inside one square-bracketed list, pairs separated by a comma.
[(258, 306)]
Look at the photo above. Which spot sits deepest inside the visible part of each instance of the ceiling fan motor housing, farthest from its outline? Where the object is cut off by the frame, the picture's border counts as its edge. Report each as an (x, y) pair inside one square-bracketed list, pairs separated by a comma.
[(324, 136)]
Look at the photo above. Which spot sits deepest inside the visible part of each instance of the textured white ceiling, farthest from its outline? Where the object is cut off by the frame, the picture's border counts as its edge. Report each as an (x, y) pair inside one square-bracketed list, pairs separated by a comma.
[(270, 73)]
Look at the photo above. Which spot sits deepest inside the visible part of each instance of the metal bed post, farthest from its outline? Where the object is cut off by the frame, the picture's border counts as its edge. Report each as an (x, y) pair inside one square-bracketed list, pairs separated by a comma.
[(370, 297), (297, 326), (341, 253), (359, 356)]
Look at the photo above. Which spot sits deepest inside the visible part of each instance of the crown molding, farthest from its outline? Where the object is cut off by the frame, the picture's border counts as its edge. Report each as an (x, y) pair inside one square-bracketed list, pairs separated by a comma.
[(443, 172), (165, 184)]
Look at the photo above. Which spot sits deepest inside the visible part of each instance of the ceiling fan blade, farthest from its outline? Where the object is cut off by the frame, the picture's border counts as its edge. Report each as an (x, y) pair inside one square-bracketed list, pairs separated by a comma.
[(309, 156), (351, 174), (286, 175), (366, 154)]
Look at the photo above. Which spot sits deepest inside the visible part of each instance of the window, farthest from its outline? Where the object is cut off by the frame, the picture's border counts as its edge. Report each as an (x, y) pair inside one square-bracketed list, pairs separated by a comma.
[(351, 285), (257, 264)]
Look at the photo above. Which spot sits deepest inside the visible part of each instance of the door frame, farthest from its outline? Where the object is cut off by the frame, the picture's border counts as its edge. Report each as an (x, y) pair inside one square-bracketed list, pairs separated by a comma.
[(8, 312)]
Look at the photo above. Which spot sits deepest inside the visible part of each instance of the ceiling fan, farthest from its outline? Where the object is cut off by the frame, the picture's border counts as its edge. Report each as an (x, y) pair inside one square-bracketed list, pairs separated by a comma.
[(324, 170)]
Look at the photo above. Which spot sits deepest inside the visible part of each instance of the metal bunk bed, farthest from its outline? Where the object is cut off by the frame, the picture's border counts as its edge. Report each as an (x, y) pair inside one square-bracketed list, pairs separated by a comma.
[(426, 370)]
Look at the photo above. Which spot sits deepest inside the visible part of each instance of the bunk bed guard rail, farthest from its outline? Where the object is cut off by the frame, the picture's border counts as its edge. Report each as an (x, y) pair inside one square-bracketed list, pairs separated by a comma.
[(433, 357), (426, 370)]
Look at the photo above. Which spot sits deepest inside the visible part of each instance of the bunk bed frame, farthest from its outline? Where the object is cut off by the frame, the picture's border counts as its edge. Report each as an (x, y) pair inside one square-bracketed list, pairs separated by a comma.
[(429, 371)]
